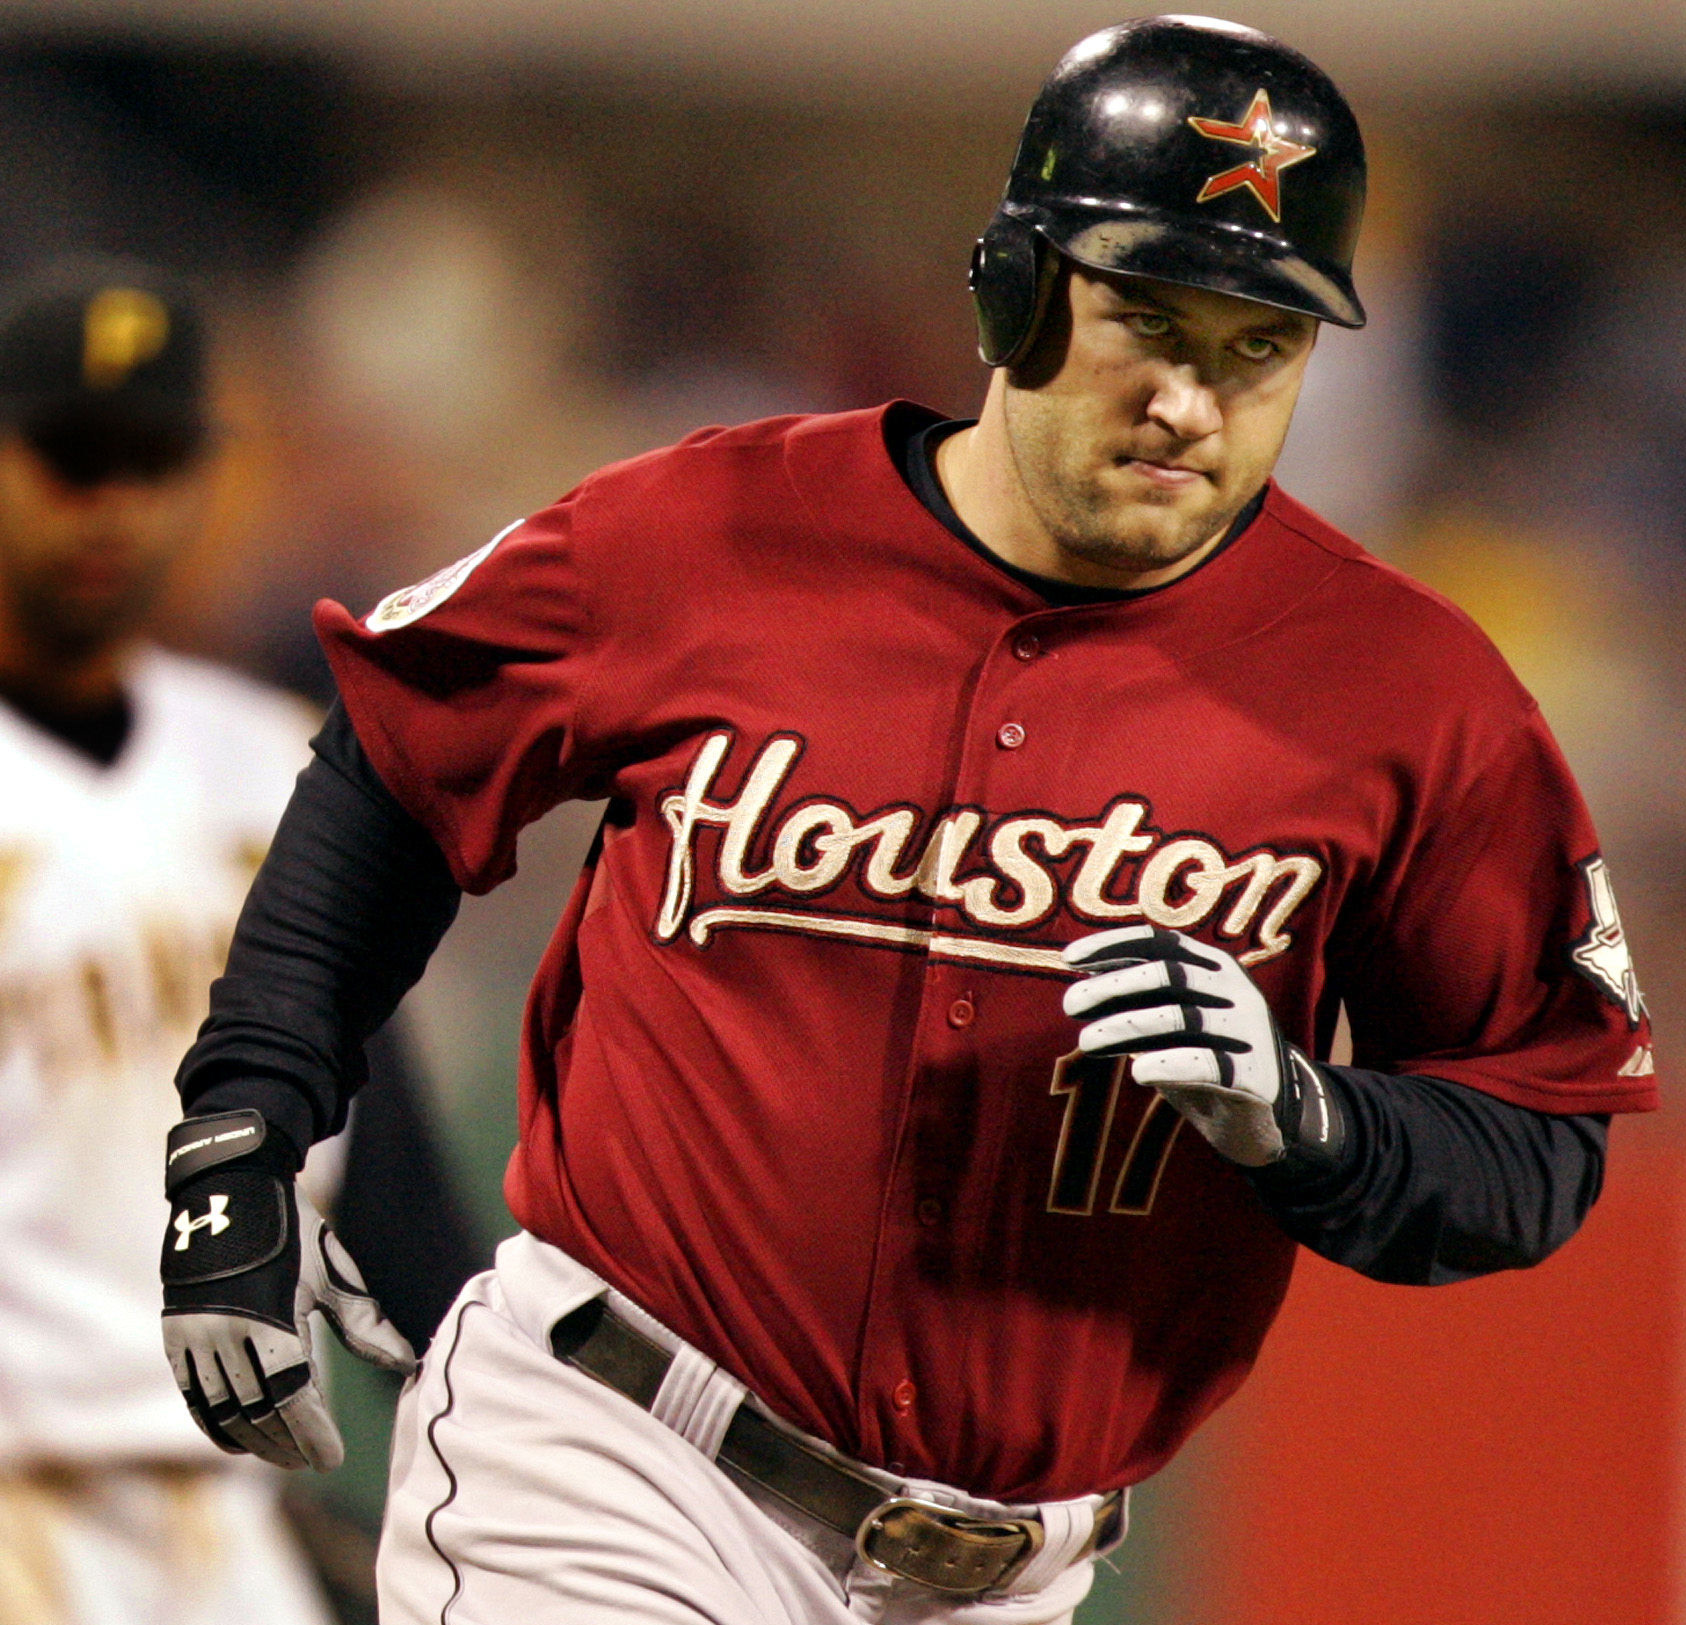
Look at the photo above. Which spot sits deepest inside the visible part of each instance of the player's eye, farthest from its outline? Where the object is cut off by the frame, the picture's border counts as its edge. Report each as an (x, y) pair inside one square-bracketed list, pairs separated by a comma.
[(1147, 324), (1256, 348)]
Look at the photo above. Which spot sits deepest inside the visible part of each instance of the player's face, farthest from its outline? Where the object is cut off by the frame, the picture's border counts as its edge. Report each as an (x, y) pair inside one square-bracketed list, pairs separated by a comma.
[(1148, 415), (80, 564)]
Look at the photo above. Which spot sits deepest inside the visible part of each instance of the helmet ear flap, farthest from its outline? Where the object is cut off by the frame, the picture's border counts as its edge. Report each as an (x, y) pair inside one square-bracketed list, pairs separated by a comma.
[(1012, 272)]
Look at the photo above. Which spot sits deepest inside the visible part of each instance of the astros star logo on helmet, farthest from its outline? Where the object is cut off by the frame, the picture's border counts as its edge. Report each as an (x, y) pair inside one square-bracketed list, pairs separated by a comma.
[(1262, 176)]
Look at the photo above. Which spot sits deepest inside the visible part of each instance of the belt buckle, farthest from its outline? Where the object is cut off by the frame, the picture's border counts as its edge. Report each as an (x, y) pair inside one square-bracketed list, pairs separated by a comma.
[(938, 1547)]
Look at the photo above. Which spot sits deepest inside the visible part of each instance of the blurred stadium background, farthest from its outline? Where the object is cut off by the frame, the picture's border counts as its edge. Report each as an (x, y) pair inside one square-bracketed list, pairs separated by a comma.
[(461, 254)]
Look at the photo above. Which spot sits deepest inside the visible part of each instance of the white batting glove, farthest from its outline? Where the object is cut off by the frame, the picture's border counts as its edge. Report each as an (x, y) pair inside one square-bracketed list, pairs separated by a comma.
[(1197, 1029), (247, 1259)]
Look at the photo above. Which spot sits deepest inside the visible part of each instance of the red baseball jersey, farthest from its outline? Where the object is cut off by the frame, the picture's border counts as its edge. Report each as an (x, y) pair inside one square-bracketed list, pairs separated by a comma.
[(795, 1075)]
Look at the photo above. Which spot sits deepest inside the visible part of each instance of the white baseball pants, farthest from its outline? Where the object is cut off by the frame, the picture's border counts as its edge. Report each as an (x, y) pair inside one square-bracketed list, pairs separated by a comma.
[(524, 1490)]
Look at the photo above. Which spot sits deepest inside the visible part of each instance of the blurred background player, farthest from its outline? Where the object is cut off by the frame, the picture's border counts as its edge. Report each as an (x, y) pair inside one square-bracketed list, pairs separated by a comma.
[(140, 790)]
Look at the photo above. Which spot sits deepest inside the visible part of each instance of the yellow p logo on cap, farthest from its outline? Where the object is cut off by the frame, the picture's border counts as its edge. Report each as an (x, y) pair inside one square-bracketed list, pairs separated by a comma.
[(121, 328)]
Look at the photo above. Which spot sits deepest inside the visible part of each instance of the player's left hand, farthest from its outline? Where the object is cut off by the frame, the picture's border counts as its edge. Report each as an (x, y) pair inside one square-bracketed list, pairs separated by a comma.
[(1198, 1030), (247, 1259)]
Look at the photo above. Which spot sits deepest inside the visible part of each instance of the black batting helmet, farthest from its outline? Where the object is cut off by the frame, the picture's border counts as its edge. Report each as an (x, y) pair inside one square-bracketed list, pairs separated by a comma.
[(1186, 149)]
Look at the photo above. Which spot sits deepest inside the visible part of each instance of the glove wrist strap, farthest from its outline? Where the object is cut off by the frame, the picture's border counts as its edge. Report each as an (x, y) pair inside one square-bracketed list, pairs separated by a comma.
[(230, 1185), (1309, 1115), (198, 1143)]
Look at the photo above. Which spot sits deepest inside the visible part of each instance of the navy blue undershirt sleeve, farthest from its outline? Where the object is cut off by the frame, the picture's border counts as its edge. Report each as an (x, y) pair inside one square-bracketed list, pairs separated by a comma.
[(345, 912), (1438, 1182)]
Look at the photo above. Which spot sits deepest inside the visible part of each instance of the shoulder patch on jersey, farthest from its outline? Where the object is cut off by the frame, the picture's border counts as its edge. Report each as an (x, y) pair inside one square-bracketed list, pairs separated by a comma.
[(411, 603), (1602, 955)]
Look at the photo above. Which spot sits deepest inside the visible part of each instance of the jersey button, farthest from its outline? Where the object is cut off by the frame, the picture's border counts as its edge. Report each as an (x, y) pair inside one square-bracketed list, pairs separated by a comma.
[(930, 1211), (962, 1013), (903, 1395), (1010, 735), (1027, 646)]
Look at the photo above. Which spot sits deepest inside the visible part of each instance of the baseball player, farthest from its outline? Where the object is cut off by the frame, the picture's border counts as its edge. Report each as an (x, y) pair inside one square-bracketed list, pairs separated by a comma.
[(140, 789), (925, 1089)]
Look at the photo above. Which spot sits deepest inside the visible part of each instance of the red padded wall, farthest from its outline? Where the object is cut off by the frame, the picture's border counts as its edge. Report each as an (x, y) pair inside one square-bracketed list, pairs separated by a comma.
[(1497, 1453)]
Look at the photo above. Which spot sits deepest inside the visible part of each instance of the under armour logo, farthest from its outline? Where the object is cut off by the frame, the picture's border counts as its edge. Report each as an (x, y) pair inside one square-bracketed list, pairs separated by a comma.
[(217, 1219)]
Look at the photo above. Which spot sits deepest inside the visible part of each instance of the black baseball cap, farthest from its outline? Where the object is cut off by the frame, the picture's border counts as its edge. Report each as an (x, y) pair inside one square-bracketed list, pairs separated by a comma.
[(102, 369)]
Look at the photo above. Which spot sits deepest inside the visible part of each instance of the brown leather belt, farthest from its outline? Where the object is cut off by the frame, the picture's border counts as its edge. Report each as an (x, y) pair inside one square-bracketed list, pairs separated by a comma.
[(903, 1535)]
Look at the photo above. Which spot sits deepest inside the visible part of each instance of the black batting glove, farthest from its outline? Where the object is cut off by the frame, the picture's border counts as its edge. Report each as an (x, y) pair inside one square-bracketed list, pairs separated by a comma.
[(1197, 1029), (246, 1260)]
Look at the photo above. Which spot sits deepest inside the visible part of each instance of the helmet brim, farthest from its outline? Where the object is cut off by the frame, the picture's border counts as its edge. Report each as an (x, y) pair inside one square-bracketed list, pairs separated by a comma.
[(1197, 254)]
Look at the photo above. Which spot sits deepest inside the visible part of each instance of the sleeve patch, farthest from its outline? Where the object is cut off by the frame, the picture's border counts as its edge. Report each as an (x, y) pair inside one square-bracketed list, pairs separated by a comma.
[(1602, 955), (409, 604), (1641, 1064)]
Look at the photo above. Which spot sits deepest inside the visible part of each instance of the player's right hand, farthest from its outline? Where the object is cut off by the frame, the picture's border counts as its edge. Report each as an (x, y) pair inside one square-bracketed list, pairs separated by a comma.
[(246, 1260)]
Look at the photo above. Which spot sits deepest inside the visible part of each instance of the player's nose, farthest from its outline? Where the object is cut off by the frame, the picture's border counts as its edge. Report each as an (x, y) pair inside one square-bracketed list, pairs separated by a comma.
[(1183, 404)]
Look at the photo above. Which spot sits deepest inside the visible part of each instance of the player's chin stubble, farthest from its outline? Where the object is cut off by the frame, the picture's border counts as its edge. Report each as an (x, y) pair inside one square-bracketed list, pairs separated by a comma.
[(1086, 515), (1131, 537)]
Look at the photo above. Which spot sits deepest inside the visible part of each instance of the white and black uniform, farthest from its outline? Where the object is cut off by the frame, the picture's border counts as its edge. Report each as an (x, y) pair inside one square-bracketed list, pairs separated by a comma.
[(120, 881)]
